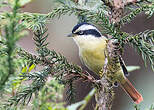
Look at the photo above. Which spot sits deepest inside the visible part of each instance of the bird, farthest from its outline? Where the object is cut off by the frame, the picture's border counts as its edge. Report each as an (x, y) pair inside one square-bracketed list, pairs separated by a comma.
[(92, 46)]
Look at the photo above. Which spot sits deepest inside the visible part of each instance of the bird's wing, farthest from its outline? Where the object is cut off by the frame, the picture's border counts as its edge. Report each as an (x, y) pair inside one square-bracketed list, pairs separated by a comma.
[(122, 63)]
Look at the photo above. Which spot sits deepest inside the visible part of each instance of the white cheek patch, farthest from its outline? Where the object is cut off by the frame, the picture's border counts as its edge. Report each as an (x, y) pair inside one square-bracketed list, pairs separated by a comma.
[(86, 40)]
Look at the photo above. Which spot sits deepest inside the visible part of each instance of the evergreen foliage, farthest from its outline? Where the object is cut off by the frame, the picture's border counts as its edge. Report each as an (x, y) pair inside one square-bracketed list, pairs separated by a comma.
[(17, 66)]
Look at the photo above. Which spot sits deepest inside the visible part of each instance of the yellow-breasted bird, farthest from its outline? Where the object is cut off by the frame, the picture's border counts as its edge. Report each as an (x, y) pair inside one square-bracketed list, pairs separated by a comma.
[(92, 46)]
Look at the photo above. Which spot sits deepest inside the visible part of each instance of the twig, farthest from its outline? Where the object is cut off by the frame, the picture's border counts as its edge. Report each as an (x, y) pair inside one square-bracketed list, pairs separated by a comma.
[(104, 96)]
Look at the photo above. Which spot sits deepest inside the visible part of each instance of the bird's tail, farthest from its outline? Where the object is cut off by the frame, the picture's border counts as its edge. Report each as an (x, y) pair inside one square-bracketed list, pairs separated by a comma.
[(131, 91)]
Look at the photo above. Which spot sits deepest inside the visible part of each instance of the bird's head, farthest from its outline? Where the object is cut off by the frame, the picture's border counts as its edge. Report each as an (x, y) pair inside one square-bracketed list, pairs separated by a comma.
[(86, 34)]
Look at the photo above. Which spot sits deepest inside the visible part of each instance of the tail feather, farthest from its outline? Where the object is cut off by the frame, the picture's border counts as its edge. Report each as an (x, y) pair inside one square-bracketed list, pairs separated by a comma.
[(132, 92)]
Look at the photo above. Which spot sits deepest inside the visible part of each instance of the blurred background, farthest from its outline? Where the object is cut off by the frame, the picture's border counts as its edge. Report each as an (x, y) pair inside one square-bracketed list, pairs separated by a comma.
[(58, 29)]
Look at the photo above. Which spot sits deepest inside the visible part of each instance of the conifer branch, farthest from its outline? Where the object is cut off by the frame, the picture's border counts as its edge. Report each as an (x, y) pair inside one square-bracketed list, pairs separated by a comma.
[(10, 39), (144, 42), (92, 15), (55, 64), (147, 8), (24, 96), (31, 58)]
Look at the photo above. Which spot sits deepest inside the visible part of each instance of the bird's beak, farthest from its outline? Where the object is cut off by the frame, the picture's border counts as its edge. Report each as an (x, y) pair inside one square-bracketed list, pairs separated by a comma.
[(71, 35)]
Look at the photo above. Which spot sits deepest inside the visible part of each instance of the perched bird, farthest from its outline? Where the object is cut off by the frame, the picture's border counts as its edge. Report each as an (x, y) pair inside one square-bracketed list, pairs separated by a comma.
[(92, 45)]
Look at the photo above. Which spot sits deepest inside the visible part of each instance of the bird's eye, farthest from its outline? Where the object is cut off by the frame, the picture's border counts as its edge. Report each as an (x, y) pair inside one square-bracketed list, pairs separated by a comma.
[(80, 32)]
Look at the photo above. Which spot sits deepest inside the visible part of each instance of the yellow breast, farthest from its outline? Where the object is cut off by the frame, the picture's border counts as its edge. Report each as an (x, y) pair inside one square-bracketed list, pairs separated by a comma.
[(93, 56)]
